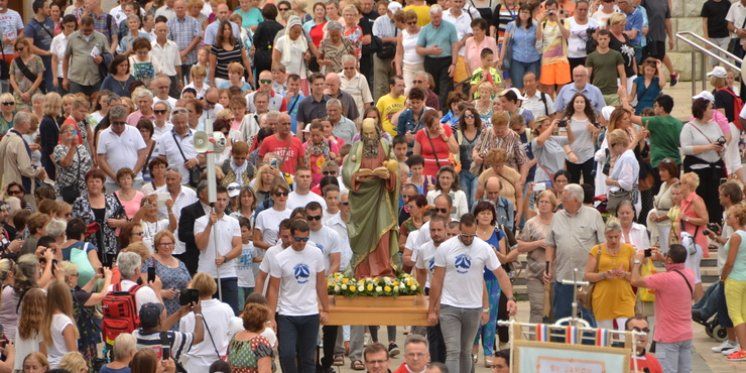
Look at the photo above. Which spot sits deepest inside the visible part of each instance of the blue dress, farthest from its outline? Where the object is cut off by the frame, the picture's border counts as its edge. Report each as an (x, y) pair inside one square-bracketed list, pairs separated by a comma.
[(172, 278), (646, 95), (488, 331)]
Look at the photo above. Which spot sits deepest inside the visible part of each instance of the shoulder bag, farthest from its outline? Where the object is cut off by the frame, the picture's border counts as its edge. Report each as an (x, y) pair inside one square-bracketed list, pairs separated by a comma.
[(195, 173), (24, 69), (585, 293), (70, 193)]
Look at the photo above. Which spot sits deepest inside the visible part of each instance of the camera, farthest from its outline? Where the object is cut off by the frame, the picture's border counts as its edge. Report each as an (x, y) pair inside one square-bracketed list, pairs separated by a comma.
[(539, 187), (713, 227), (562, 123), (648, 253), (720, 141), (188, 296)]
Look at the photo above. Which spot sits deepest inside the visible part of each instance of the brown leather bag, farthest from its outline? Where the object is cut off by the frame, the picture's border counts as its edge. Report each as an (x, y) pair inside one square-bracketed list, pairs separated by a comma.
[(585, 293)]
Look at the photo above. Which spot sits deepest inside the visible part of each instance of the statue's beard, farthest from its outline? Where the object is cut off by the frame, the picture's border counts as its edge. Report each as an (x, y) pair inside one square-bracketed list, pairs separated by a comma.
[(370, 146)]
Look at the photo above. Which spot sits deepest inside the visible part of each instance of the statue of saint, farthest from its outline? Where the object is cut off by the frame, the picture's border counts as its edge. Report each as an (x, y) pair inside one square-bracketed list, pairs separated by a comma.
[(371, 173)]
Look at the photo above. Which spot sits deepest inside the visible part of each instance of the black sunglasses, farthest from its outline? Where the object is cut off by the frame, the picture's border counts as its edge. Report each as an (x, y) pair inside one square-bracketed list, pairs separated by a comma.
[(9, 103), (160, 111), (327, 173), (300, 239), (281, 194)]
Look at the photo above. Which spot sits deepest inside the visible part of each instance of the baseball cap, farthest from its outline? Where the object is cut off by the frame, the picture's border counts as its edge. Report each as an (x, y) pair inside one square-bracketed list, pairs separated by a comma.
[(718, 72), (150, 314), (394, 6), (707, 95), (514, 90), (233, 190)]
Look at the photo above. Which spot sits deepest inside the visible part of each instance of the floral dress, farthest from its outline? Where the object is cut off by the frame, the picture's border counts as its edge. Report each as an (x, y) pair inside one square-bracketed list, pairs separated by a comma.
[(75, 173), (172, 278), (105, 237), (244, 356), (35, 66), (355, 35)]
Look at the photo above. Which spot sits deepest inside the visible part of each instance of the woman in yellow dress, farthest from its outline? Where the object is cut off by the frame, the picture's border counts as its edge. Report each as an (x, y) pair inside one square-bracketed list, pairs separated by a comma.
[(612, 298)]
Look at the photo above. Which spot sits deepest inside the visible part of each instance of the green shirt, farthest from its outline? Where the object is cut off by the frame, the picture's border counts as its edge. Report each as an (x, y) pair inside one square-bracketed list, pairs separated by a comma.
[(664, 138), (442, 36), (605, 71)]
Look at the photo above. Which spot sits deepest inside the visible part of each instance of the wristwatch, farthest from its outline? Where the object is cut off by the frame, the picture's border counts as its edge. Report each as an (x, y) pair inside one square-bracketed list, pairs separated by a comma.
[(486, 310), (636, 261)]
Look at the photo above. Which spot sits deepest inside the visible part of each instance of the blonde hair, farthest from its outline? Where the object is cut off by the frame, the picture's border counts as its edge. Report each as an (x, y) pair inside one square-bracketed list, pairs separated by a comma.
[(160, 235), (198, 71), (234, 67), (59, 299), (52, 104), (138, 248), (617, 18), (40, 358), (612, 224), (550, 195), (124, 344), (495, 156), (7, 96), (32, 312), (204, 284), (691, 179), (73, 361), (618, 136)]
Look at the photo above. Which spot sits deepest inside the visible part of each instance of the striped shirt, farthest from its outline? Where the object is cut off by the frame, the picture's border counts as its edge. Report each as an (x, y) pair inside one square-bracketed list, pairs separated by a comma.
[(225, 57), (183, 32), (511, 143), (177, 342), (384, 27)]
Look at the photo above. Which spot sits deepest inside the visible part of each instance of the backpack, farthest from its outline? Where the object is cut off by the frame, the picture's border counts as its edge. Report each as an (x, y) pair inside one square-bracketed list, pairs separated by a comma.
[(737, 106), (120, 313)]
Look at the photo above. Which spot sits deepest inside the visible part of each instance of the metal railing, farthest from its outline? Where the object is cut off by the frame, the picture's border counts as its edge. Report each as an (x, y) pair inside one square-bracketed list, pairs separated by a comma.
[(709, 49)]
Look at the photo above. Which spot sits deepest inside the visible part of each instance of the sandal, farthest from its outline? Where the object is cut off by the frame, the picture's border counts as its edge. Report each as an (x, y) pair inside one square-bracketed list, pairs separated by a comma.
[(474, 358), (339, 360), (357, 365)]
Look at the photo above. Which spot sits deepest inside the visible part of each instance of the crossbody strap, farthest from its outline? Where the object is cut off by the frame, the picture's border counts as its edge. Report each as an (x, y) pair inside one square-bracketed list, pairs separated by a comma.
[(25, 70), (685, 280), (209, 333), (435, 153), (178, 146)]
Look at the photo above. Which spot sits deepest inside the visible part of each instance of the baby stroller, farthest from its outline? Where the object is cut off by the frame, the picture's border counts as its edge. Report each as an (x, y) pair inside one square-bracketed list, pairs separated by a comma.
[(705, 313)]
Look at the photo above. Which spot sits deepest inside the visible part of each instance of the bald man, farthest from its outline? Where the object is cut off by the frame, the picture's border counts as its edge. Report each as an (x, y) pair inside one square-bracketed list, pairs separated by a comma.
[(223, 13), (333, 90), (579, 84), (276, 101)]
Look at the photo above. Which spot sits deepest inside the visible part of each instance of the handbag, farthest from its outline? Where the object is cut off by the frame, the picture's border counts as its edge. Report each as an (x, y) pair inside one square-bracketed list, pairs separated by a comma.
[(195, 173), (615, 198), (70, 193), (585, 293), (387, 50), (734, 45)]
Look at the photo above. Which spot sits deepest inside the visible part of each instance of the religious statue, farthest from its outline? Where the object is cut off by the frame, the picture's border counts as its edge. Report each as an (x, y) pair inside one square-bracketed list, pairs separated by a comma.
[(371, 173)]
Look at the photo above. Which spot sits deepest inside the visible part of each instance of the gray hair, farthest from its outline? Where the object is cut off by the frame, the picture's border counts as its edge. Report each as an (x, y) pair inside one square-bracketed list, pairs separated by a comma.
[(134, 17), (272, 114), (574, 191), (118, 111), (141, 92), (22, 117), (56, 228), (334, 26), (415, 338), (436, 9), (349, 58), (333, 102), (164, 103), (129, 263)]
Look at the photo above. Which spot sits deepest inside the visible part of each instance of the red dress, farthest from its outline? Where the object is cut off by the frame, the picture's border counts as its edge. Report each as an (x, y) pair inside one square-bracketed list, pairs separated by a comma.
[(434, 151)]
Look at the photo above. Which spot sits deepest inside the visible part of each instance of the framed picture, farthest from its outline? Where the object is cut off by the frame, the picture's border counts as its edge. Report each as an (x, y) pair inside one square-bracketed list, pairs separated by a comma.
[(550, 357)]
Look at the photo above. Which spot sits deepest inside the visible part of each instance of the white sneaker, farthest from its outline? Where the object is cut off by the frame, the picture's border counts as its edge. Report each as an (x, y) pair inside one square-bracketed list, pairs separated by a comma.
[(726, 345), (729, 350)]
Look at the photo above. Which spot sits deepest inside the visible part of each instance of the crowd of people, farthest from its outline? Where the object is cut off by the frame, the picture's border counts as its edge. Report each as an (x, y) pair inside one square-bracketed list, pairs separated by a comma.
[(526, 136)]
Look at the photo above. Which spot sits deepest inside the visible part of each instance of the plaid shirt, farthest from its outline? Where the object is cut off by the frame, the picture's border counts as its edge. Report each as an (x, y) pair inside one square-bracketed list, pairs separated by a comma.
[(183, 32), (105, 24), (511, 143)]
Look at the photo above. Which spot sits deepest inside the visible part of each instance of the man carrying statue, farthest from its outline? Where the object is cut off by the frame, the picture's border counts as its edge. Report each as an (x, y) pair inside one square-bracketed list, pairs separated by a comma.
[(371, 173)]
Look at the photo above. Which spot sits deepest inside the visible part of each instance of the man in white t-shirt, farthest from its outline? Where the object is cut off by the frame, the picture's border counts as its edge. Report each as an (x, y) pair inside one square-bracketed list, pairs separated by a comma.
[(270, 255), (443, 206), (217, 253), (266, 225), (296, 286), (456, 290), (120, 146), (130, 264), (335, 219), (302, 194)]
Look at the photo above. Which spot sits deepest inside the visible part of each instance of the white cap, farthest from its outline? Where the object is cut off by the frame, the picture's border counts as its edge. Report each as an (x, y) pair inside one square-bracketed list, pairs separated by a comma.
[(514, 90), (233, 190), (707, 95), (606, 111), (394, 6), (718, 72)]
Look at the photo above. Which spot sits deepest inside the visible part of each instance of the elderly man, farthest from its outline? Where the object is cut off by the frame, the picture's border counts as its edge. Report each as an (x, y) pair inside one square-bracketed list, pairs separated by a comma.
[(15, 153), (283, 146), (636, 23), (538, 102), (104, 23), (166, 58), (342, 126), (574, 231), (83, 57), (178, 146), (580, 84), (333, 84), (144, 101), (166, 10), (187, 33), (355, 84), (161, 86), (223, 13), (504, 208), (416, 355), (119, 146), (181, 197), (130, 264), (438, 43), (276, 101), (384, 29)]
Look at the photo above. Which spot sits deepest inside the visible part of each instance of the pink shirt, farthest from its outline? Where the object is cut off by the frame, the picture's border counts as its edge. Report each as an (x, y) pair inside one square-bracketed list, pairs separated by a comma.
[(132, 206), (474, 49), (673, 304)]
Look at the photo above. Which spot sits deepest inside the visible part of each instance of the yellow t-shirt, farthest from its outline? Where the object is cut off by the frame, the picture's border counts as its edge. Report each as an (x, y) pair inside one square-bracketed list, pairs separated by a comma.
[(423, 13), (388, 106)]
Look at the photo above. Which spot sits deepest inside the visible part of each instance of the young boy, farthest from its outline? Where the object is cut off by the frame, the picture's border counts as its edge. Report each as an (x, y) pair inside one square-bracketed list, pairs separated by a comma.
[(247, 261), (416, 166), (318, 151), (400, 152), (236, 78), (486, 72)]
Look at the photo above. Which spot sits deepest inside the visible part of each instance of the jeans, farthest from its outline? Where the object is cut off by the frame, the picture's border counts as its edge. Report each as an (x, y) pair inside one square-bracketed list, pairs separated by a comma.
[(468, 183), (435, 343), (562, 303), (675, 357), (229, 289), (459, 327), (488, 331), (244, 293), (297, 337), (438, 68), (519, 69), (329, 341)]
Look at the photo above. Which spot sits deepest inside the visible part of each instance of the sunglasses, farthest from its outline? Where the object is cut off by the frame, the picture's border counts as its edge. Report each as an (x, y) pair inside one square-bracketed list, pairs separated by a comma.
[(313, 217), (469, 116), (300, 239), (138, 233), (9, 103), (418, 81), (463, 235), (160, 111), (283, 9), (328, 173), (265, 81), (442, 211), (281, 194), (15, 191), (412, 23)]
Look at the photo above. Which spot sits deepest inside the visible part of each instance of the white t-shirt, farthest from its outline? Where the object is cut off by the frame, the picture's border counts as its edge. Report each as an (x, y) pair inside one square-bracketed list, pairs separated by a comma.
[(244, 267), (426, 259), (297, 272), (27, 346), (464, 265), (335, 222), (58, 48), (149, 231), (120, 150), (60, 321), (268, 222), (296, 200), (269, 258), (10, 24), (578, 37), (328, 241), (224, 231), (219, 319), (143, 295)]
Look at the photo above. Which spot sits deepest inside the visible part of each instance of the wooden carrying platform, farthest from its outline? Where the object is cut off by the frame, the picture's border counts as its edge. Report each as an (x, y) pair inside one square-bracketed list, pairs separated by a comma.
[(403, 310)]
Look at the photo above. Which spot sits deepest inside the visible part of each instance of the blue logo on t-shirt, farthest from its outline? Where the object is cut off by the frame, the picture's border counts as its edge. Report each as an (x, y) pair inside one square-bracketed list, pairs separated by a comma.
[(462, 263), (301, 272), (431, 264)]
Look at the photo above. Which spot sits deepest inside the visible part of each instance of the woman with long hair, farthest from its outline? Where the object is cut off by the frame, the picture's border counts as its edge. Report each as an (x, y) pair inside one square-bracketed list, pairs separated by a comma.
[(520, 38), (470, 125), (581, 134), (23, 86), (18, 279), (446, 182), (49, 131), (693, 218), (32, 312), (262, 185), (648, 86), (227, 49), (58, 328), (145, 361)]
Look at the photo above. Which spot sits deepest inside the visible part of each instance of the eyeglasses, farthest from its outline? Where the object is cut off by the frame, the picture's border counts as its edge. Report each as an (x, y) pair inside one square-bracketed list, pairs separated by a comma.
[(313, 217), (9, 103), (160, 111), (329, 173), (166, 244), (265, 81), (644, 330), (376, 362), (442, 211), (300, 239), (411, 23), (281, 194), (283, 9), (138, 233), (118, 123)]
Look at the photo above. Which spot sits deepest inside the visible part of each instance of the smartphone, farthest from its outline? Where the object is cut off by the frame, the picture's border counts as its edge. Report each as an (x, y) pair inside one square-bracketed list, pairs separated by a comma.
[(101, 270), (188, 296), (539, 187), (648, 253), (151, 274), (165, 353), (713, 227), (562, 123)]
